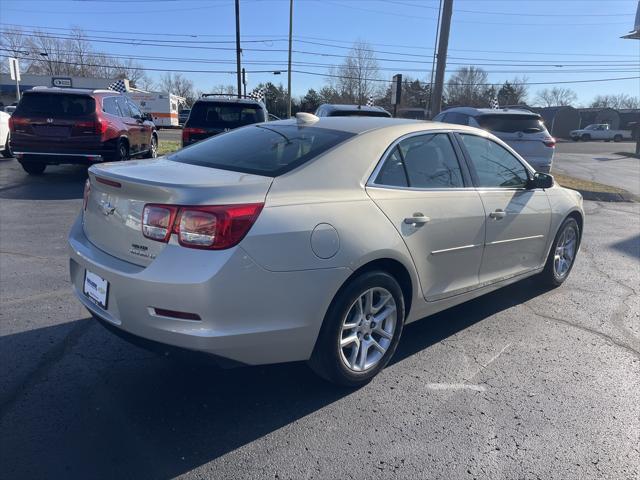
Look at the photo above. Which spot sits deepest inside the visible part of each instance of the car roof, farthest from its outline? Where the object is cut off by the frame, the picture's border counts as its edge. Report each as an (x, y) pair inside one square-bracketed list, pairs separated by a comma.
[(359, 125), (352, 108), (475, 112), (223, 99), (73, 91)]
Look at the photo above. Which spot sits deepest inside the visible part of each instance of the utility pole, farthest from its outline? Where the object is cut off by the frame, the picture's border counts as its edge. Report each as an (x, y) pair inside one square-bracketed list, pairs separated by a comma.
[(238, 48), (289, 68), (244, 81), (443, 45)]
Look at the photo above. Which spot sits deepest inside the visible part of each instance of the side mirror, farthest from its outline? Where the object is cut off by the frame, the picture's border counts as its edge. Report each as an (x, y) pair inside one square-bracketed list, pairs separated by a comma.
[(541, 180), (147, 116)]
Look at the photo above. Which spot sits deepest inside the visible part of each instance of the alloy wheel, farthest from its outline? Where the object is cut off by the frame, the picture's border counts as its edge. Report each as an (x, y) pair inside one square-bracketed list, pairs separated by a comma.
[(565, 251), (367, 329)]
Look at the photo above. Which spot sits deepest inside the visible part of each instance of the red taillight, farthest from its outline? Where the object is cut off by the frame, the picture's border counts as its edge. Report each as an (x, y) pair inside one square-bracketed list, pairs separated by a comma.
[(208, 227), (550, 142), (187, 132), (157, 221), (106, 181), (85, 195), (101, 125), (16, 124)]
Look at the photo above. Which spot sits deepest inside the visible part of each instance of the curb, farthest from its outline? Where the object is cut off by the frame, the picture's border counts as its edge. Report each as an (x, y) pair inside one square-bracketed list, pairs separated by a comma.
[(608, 196)]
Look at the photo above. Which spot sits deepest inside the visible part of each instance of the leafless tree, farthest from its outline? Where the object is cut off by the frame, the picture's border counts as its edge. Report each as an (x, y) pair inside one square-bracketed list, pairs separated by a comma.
[(177, 84), (356, 78), (619, 101), (556, 97), (14, 43), (469, 87)]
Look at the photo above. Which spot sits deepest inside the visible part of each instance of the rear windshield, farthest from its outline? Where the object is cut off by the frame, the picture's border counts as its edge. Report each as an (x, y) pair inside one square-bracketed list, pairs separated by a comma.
[(269, 150), (55, 105), (357, 113), (225, 115), (512, 123)]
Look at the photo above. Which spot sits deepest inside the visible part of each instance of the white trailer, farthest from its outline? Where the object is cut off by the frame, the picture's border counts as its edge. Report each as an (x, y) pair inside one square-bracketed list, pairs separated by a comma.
[(163, 107)]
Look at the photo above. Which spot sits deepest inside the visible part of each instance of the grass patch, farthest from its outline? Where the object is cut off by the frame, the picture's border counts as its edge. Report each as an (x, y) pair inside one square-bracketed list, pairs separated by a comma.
[(168, 146), (585, 185)]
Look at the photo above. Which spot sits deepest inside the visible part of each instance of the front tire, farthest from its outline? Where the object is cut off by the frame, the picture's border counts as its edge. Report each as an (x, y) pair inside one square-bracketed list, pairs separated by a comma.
[(617, 138), (585, 137), (562, 255), (361, 330), (6, 153), (33, 168)]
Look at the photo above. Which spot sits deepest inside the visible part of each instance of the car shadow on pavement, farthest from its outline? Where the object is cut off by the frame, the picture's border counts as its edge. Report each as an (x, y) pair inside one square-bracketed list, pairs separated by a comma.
[(57, 183), (630, 246), (100, 408)]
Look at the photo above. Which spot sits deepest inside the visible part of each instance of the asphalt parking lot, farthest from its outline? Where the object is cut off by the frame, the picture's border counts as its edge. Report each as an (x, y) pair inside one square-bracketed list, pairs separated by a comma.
[(522, 383)]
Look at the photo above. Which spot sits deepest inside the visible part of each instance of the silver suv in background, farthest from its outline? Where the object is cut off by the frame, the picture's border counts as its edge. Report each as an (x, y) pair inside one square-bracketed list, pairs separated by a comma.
[(521, 129)]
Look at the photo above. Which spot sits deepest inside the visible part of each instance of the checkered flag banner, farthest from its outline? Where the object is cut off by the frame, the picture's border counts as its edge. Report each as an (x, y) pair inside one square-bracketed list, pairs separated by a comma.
[(118, 86), (494, 103), (257, 94), (370, 102)]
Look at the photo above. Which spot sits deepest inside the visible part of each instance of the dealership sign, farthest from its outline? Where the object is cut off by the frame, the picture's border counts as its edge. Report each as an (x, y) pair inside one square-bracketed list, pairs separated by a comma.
[(61, 82)]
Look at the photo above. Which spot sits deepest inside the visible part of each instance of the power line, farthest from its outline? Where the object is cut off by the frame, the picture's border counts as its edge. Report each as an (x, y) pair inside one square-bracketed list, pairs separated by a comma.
[(298, 38)]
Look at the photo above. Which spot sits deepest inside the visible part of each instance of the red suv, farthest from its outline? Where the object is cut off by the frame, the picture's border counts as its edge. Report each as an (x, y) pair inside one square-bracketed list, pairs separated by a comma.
[(52, 126)]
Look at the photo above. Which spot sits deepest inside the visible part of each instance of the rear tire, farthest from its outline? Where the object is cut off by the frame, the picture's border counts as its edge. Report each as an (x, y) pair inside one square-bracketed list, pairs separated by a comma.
[(585, 137), (153, 147), (562, 255), (373, 324), (33, 168), (122, 151), (617, 138)]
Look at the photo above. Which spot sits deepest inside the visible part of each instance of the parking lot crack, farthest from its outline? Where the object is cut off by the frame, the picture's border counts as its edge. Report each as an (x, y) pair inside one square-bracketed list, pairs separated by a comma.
[(629, 348), (48, 361)]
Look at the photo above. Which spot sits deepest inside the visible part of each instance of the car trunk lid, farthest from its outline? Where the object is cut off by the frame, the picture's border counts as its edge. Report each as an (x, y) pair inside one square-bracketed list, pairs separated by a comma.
[(119, 192)]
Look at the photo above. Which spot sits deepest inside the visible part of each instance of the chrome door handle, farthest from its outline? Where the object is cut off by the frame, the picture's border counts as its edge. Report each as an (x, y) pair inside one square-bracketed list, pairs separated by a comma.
[(417, 220), (498, 214)]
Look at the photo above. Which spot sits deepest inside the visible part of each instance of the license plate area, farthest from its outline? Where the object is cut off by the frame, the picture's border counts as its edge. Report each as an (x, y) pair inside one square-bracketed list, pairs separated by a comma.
[(96, 289)]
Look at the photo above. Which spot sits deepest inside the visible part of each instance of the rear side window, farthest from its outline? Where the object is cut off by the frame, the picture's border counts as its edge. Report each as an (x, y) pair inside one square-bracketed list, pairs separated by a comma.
[(261, 149), (427, 161), (494, 165), (55, 105), (110, 106), (511, 123), (225, 115), (123, 105), (457, 118)]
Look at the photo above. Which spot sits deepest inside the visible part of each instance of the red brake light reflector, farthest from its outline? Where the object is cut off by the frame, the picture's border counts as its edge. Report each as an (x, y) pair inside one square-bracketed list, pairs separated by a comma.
[(550, 142), (106, 181)]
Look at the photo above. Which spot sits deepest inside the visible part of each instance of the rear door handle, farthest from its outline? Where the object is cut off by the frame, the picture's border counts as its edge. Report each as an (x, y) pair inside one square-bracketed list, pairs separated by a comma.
[(499, 214), (417, 220)]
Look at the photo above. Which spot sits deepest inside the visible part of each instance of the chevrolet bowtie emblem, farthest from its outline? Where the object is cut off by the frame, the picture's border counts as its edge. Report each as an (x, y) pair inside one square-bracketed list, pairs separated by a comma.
[(108, 209)]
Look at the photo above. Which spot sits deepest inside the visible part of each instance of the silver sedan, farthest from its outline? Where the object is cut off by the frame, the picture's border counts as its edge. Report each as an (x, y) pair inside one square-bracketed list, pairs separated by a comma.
[(314, 239)]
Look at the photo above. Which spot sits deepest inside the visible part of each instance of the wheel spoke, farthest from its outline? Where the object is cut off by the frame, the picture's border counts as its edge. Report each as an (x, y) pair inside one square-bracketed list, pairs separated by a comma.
[(368, 302), (362, 359), (384, 314), (355, 350), (377, 346), (384, 300), (345, 342), (382, 332)]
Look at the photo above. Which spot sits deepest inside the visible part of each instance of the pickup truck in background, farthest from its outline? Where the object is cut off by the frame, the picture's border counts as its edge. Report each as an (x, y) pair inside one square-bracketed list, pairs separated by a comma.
[(600, 131)]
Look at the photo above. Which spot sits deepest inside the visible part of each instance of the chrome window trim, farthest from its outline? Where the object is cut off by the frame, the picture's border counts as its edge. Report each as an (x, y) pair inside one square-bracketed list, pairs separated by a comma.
[(371, 180)]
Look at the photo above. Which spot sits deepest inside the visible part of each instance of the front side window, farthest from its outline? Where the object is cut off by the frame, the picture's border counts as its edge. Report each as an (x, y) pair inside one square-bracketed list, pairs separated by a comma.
[(261, 149), (135, 111), (426, 161), (495, 166)]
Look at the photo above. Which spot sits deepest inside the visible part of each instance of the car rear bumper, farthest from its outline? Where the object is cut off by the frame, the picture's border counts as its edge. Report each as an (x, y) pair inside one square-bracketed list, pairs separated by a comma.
[(248, 314), (56, 158)]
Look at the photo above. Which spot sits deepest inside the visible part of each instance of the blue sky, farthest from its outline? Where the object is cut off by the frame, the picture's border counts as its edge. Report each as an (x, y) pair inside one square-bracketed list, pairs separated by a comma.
[(506, 37)]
